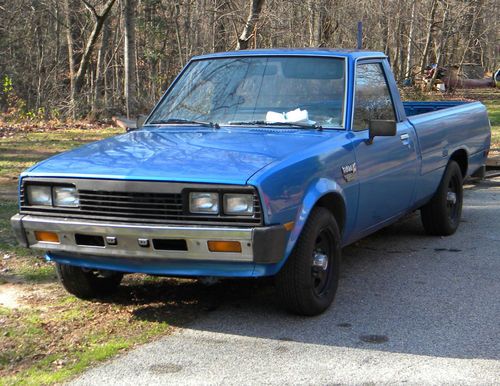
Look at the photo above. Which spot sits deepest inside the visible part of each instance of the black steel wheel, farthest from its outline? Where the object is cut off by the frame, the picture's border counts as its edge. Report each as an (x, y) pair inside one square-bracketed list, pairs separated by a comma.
[(322, 260)]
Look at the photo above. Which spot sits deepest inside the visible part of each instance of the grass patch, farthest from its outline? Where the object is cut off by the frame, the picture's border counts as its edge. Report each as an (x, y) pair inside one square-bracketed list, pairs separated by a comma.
[(493, 107), (58, 336), (8, 244), (37, 272), (22, 149)]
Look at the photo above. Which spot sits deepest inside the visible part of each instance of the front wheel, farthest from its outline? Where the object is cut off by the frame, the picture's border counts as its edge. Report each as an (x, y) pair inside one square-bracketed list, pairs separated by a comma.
[(87, 283), (308, 281), (441, 215)]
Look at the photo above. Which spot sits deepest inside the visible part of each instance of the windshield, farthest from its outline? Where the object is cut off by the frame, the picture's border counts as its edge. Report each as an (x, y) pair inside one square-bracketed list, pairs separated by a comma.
[(302, 90)]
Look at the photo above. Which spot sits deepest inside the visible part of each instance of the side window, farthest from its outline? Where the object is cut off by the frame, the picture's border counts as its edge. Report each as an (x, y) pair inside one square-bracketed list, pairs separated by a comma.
[(373, 99)]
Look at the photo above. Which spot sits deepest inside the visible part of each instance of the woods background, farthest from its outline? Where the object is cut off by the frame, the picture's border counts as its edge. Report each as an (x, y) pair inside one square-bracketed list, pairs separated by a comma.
[(75, 58)]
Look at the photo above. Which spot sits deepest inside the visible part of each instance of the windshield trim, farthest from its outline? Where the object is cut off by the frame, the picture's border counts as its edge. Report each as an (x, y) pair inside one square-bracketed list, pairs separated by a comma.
[(342, 126)]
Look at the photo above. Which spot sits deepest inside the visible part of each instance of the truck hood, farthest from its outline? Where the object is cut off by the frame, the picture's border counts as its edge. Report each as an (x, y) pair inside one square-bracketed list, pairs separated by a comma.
[(226, 155)]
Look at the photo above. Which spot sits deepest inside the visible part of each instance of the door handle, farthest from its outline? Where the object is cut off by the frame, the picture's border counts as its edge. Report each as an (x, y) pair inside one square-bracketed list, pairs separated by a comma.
[(405, 140)]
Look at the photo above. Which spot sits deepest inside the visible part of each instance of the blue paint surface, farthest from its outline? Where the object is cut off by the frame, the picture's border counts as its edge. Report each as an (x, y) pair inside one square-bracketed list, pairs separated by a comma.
[(189, 154)]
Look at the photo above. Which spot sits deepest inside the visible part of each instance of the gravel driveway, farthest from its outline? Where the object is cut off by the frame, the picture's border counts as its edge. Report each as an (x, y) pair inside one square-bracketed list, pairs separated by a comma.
[(410, 309)]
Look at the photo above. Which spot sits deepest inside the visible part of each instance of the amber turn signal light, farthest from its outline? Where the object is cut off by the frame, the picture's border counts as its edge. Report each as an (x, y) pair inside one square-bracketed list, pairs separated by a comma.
[(224, 246), (48, 237)]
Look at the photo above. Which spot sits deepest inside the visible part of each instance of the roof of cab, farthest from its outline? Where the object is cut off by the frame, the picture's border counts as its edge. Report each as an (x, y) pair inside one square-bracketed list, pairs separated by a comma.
[(335, 52)]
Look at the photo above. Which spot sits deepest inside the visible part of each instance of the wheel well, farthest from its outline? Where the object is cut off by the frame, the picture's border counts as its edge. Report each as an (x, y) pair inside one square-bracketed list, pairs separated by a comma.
[(460, 157), (335, 204)]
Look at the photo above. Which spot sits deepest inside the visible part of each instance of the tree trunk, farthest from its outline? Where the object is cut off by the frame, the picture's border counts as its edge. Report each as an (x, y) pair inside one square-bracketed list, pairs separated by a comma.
[(428, 40), (441, 47), (411, 34), (178, 33), (71, 56), (89, 47), (101, 67), (251, 24), (130, 84)]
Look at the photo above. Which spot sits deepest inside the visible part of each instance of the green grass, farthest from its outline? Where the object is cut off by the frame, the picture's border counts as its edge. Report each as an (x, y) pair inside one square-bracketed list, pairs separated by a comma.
[(8, 244), (95, 346), (37, 274), (493, 107), (44, 374), (60, 336), (22, 150)]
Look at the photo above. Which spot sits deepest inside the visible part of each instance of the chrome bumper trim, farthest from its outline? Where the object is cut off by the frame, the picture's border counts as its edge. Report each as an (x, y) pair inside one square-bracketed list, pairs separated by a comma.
[(261, 244)]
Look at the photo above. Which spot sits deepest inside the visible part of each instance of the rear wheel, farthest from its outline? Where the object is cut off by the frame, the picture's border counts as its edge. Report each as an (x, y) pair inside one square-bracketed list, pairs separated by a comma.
[(308, 281), (441, 215), (87, 283)]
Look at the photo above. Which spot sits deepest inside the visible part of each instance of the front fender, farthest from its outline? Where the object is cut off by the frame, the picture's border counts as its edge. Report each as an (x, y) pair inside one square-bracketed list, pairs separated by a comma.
[(315, 191)]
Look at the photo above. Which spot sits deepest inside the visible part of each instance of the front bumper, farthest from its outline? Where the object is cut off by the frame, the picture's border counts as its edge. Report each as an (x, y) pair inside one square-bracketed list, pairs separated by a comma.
[(262, 245)]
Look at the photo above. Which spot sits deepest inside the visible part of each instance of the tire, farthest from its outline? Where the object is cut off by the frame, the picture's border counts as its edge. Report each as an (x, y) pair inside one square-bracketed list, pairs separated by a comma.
[(306, 288), (441, 215), (87, 283)]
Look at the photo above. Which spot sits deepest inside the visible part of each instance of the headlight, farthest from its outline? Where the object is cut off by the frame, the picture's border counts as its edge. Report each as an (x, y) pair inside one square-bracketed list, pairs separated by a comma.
[(39, 195), (203, 202), (241, 204), (65, 196)]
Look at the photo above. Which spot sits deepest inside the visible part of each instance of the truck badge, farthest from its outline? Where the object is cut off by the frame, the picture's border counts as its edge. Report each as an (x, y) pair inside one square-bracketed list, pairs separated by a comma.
[(349, 171)]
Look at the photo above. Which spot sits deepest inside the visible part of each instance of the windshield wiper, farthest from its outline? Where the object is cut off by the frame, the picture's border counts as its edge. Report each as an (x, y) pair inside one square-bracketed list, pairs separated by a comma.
[(182, 120), (267, 123)]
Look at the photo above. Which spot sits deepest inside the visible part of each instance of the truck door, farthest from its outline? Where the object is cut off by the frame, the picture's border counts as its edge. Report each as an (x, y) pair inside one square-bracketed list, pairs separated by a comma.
[(386, 168)]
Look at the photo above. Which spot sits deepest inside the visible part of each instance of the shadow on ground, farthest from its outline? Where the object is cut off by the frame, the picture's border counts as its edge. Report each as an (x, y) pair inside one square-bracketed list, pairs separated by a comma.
[(400, 291)]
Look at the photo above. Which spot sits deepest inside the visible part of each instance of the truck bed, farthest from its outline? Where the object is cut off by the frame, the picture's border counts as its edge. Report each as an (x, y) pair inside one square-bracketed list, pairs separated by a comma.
[(415, 108), (443, 128)]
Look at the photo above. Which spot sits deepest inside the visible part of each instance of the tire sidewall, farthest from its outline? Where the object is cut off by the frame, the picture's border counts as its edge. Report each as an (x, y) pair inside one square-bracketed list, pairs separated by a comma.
[(330, 225), (452, 171), (85, 284), (298, 268)]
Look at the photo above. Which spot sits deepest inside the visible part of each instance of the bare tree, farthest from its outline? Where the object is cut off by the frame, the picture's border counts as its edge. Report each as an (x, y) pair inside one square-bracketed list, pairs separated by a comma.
[(430, 29), (78, 77), (251, 25), (411, 34), (99, 20), (129, 56), (92, 54), (441, 45)]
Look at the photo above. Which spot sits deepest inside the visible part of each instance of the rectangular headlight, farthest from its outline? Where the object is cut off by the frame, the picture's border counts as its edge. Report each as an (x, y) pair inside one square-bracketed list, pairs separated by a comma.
[(39, 195), (238, 204), (204, 202), (65, 196)]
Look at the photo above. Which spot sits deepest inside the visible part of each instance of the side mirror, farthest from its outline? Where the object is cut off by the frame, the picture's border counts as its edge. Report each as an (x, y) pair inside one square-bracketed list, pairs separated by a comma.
[(381, 128)]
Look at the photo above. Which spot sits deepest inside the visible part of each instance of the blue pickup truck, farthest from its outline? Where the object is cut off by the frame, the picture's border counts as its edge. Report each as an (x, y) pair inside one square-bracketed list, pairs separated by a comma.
[(254, 163)]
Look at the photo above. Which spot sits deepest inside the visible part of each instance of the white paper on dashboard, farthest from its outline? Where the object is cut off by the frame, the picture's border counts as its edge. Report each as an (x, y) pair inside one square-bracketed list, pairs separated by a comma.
[(294, 116)]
